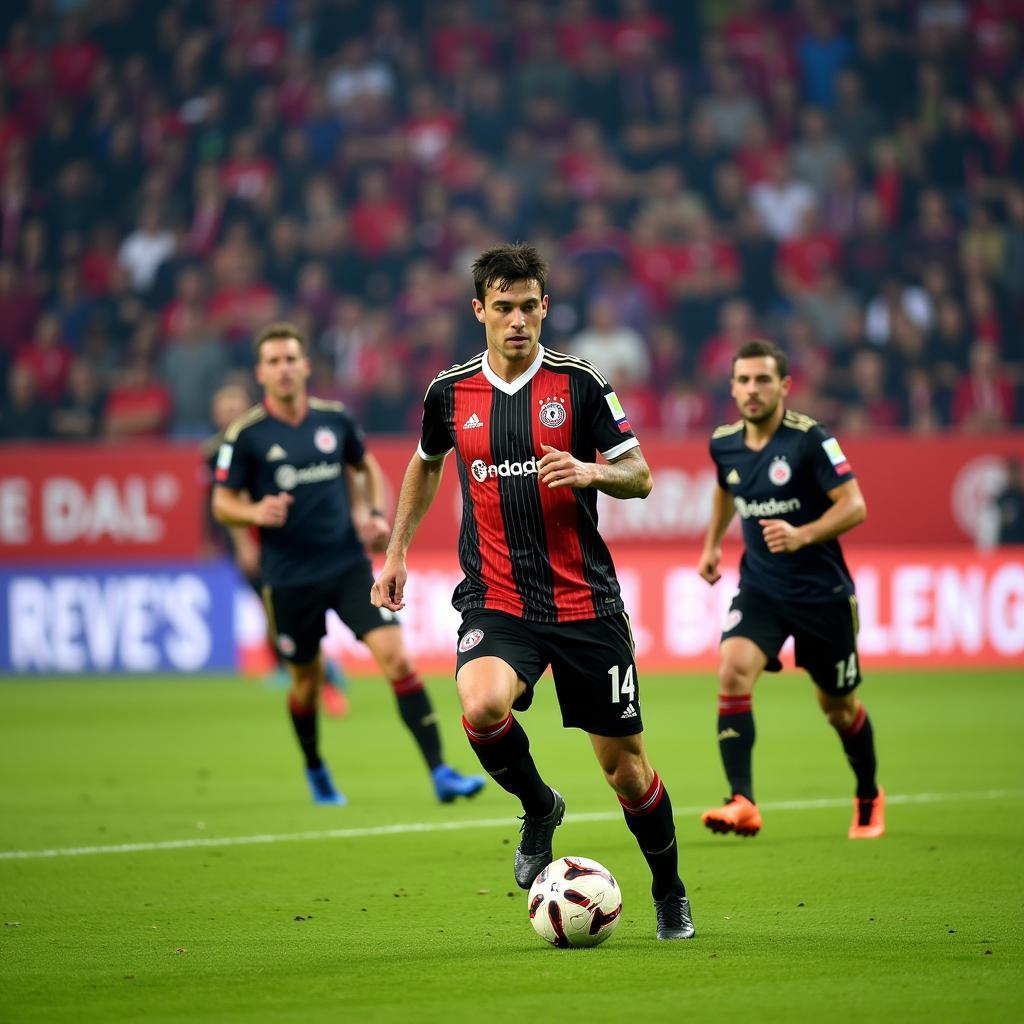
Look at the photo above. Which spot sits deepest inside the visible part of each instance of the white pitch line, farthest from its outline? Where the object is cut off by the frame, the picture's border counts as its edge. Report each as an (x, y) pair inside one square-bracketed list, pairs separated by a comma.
[(413, 828)]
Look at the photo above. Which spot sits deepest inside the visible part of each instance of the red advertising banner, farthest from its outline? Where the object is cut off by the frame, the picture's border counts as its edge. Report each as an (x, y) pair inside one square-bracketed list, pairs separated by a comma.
[(75, 503), (926, 607), (60, 503), (919, 491)]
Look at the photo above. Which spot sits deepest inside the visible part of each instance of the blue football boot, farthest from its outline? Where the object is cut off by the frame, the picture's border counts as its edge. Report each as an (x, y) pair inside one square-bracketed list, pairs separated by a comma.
[(321, 785), (449, 784)]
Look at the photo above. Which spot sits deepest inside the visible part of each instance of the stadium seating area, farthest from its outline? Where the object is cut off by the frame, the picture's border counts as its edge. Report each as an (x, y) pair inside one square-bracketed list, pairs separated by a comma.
[(847, 179)]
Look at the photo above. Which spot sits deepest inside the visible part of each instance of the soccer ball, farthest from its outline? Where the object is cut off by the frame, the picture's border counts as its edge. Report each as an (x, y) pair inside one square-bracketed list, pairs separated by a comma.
[(574, 901)]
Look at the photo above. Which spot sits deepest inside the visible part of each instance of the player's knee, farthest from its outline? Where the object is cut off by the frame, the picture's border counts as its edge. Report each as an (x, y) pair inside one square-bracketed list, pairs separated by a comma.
[(841, 716), (736, 678), (396, 666), (485, 708), (626, 774)]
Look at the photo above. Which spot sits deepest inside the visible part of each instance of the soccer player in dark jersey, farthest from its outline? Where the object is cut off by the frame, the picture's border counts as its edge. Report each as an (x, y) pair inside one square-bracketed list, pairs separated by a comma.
[(282, 468), (796, 494), (540, 589), (229, 402)]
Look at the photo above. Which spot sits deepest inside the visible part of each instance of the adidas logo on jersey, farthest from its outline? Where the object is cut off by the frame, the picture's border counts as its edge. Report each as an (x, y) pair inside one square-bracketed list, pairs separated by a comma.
[(473, 421), (733, 477), (276, 453), (630, 711)]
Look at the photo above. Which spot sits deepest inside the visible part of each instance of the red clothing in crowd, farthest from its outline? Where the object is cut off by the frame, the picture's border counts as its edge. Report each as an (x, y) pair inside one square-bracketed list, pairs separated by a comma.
[(50, 367), (73, 65), (804, 260), (152, 400)]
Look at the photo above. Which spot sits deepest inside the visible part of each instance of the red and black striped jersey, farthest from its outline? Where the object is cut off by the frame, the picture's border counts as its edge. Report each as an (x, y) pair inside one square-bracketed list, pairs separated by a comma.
[(524, 548)]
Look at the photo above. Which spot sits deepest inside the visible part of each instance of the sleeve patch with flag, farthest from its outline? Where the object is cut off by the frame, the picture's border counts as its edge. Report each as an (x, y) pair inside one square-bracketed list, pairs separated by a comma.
[(224, 461), (835, 455), (618, 412)]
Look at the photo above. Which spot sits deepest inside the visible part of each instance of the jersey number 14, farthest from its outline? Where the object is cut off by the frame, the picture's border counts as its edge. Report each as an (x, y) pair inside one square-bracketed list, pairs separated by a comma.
[(626, 687)]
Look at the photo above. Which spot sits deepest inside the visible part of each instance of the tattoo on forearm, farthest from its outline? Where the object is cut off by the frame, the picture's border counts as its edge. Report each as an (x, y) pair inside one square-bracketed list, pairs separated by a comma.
[(627, 477)]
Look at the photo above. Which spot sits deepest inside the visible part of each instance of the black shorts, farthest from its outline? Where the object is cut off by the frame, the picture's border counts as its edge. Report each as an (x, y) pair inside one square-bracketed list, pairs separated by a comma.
[(297, 616), (824, 635), (591, 661)]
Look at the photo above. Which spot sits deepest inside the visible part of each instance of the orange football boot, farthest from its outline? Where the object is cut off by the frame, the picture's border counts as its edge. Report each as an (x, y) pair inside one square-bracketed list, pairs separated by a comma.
[(335, 701), (739, 815), (868, 817)]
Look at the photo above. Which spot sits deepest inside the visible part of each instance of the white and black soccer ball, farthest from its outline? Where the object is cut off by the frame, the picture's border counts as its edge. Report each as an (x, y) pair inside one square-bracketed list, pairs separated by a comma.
[(575, 901)]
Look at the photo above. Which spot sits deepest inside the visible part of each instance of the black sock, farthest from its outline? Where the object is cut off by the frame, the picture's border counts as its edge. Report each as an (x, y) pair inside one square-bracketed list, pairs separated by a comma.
[(859, 744), (418, 714), (504, 752), (736, 736), (651, 822), (304, 721)]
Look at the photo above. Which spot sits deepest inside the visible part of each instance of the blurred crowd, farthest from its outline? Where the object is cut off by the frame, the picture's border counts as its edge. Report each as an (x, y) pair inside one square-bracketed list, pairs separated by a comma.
[(847, 179)]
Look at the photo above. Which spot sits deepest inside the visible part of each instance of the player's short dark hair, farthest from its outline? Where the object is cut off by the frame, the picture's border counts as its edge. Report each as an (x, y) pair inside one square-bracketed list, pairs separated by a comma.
[(278, 331), (505, 264), (762, 347)]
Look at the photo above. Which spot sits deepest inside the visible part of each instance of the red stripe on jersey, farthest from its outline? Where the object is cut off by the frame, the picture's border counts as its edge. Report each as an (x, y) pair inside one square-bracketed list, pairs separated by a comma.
[(572, 594), (221, 475), (475, 396)]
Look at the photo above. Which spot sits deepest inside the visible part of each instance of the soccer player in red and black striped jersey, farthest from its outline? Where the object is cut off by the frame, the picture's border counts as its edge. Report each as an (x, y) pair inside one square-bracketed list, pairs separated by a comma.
[(540, 589)]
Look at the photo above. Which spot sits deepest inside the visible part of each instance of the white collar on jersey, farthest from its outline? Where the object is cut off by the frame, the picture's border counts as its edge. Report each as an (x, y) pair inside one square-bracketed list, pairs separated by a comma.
[(521, 381)]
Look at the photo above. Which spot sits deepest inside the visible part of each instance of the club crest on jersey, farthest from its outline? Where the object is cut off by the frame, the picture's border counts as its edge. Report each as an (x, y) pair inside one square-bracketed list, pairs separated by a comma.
[(779, 471), (552, 412), (470, 640), (325, 440), (732, 619), (285, 644)]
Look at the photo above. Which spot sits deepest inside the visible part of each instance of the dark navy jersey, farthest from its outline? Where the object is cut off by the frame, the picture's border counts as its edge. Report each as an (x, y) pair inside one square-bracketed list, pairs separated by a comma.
[(526, 549), (788, 479), (264, 455), (219, 534)]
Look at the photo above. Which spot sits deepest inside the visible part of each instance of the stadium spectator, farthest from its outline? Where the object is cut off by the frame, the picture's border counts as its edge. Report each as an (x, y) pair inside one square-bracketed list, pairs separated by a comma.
[(983, 398), (138, 403), (79, 414), (619, 350), (25, 414), (145, 249), (48, 357), (194, 363), (252, 135), (781, 201)]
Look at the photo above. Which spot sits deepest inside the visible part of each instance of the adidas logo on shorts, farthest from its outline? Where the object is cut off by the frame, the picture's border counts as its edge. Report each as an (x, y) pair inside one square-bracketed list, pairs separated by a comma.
[(630, 711)]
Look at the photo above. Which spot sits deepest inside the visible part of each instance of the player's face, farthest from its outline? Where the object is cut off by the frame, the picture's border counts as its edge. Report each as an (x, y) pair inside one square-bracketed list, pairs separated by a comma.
[(512, 320), (757, 388), (283, 369)]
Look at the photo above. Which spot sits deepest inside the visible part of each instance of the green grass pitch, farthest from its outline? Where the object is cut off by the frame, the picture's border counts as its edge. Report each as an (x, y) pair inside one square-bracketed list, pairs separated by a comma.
[(189, 878)]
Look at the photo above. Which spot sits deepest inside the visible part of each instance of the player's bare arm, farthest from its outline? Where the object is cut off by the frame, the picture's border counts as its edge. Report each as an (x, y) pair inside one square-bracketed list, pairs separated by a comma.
[(722, 511), (628, 476), (247, 551), (366, 491), (848, 510), (236, 508), (419, 487)]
